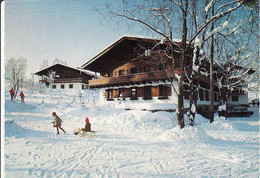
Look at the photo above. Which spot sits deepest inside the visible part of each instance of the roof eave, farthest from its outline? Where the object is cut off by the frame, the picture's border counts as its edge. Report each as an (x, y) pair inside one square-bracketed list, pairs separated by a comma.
[(114, 44)]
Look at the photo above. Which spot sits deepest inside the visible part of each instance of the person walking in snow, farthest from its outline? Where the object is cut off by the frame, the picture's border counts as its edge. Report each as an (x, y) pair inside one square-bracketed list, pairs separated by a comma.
[(12, 93), (87, 127), (57, 122), (22, 96)]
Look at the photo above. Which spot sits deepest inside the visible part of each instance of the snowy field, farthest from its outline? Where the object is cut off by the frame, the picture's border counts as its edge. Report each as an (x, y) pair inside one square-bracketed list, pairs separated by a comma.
[(130, 143)]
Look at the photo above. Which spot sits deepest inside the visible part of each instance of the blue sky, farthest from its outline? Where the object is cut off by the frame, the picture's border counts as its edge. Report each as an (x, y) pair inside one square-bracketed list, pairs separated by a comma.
[(70, 30), (65, 29)]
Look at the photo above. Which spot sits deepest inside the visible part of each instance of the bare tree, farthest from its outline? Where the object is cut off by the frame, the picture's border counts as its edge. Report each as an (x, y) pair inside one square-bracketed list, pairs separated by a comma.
[(59, 61), (162, 18), (236, 50), (15, 72), (51, 75), (235, 62)]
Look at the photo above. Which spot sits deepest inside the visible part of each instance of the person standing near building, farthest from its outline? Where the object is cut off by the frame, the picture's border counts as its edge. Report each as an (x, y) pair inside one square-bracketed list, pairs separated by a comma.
[(12, 93), (22, 97)]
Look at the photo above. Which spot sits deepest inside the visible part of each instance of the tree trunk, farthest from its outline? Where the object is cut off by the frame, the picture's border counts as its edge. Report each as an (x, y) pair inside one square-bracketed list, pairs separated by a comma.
[(194, 86), (227, 97), (180, 112), (192, 112), (193, 99), (16, 88), (195, 75), (180, 115), (211, 109), (224, 99)]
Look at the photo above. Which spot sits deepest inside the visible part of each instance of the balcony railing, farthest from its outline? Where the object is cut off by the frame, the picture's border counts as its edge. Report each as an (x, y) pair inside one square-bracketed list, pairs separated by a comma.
[(43, 81), (237, 91), (137, 77), (66, 80)]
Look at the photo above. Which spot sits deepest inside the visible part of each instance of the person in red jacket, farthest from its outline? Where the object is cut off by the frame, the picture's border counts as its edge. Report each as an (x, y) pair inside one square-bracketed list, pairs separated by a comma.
[(12, 93), (87, 125), (86, 129), (22, 97)]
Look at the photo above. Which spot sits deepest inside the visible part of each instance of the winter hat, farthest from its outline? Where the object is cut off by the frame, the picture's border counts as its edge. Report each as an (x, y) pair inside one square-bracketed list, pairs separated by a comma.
[(54, 113), (86, 120)]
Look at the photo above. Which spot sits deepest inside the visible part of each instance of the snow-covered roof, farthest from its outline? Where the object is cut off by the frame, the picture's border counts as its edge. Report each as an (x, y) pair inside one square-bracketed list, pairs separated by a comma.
[(147, 37), (88, 72)]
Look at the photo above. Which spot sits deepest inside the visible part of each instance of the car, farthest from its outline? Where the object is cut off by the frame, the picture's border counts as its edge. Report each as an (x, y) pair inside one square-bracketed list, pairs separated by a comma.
[(254, 101)]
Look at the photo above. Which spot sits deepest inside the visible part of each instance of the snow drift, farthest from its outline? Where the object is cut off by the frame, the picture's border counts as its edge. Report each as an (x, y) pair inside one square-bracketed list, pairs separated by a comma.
[(129, 143)]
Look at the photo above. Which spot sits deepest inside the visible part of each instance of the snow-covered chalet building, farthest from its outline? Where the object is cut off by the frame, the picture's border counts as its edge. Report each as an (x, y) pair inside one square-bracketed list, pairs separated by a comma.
[(136, 69), (238, 94), (60, 76)]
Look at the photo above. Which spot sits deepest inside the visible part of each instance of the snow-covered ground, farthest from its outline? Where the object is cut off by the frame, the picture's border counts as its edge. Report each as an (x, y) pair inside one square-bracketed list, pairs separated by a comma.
[(130, 143)]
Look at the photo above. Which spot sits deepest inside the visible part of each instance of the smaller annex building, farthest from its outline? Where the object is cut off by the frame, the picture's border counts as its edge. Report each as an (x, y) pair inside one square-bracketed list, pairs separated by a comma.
[(60, 76)]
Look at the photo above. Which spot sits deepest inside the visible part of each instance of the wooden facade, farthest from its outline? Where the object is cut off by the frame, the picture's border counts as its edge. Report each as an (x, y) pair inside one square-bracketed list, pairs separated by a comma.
[(134, 68), (64, 74)]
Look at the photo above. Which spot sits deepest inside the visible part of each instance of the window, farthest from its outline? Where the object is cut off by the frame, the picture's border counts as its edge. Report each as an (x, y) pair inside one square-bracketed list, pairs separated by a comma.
[(235, 98), (133, 93), (215, 97), (54, 86), (110, 74), (162, 66), (147, 52), (121, 72), (201, 94), (121, 92), (71, 86), (110, 93), (147, 93), (147, 69), (177, 63), (62, 86), (207, 95), (162, 90), (133, 70), (83, 87)]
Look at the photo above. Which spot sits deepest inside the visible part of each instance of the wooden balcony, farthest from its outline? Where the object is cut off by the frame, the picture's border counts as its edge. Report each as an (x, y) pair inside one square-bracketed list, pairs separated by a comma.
[(137, 77), (69, 80), (43, 81), (66, 80)]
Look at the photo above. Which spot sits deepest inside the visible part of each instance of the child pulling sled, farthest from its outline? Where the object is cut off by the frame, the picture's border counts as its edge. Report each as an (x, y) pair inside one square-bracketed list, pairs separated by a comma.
[(57, 122)]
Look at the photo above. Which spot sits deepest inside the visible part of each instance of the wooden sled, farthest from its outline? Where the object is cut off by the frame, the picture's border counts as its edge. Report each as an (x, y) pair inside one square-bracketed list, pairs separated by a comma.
[(89, 134)]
